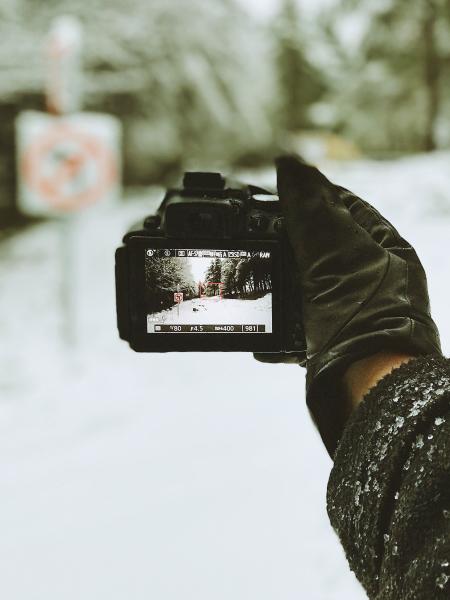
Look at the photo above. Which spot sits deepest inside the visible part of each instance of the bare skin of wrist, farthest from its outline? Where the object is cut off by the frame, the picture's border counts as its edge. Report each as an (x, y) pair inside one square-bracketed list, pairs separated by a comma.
[(362, 375)]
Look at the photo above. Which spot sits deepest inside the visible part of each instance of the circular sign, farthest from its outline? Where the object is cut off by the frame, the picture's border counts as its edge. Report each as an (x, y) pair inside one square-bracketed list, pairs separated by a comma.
[(69, 168)]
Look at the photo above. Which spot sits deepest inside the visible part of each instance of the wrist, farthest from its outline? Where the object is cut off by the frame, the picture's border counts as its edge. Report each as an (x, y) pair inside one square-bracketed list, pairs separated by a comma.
[(364, 374)]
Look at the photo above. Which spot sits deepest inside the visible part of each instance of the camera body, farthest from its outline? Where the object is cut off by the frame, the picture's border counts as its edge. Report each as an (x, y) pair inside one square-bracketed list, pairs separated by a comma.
[(211, 270)]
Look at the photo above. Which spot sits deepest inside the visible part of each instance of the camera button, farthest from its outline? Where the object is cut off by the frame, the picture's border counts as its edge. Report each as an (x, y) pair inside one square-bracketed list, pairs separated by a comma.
[(258, 223), (278, 225)]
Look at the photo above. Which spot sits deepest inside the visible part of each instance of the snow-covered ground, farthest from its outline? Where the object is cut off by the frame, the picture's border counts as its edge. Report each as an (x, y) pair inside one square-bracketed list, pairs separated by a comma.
[(173, 476), (214, 310)]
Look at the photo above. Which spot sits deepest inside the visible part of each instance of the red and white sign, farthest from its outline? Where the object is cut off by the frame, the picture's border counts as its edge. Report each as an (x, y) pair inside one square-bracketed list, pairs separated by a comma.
[(67, 163), (178, 297)]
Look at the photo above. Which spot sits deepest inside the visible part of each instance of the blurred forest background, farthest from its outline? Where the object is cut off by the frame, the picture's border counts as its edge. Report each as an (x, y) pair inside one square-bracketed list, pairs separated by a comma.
[(166, 475), (206, 83)]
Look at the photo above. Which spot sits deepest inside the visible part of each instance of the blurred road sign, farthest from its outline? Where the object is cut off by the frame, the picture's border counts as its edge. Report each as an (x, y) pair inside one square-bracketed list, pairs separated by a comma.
[(66, 163), (178, 297), (63, 81)]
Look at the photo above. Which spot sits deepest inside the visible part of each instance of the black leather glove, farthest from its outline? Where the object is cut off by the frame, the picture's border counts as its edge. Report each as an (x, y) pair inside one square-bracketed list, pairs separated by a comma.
[(364, 289)]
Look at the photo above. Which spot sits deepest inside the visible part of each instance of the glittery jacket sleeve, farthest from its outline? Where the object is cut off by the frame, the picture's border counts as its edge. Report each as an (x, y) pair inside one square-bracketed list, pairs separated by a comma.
[(389, 490)]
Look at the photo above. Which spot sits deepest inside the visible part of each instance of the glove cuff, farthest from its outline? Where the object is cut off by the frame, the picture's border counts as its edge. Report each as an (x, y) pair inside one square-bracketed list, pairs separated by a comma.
[(325, 395)]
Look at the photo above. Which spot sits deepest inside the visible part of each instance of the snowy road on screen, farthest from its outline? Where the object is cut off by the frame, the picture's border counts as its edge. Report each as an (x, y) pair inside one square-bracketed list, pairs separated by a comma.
[(217, 311), (165, 477)]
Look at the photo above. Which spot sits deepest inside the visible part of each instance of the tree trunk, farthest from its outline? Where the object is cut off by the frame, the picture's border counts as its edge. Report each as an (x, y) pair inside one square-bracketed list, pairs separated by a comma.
[(431, 74)]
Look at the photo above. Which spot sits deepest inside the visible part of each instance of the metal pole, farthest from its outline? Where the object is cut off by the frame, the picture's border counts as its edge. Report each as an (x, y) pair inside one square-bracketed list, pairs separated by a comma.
[(69, 280)]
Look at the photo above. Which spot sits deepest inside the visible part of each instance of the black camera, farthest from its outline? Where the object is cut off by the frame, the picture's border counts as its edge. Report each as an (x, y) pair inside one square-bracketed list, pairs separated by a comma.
[(210, 271)]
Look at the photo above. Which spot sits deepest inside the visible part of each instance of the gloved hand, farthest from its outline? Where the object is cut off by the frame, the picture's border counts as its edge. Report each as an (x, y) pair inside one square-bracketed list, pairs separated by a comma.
[(364, 289)]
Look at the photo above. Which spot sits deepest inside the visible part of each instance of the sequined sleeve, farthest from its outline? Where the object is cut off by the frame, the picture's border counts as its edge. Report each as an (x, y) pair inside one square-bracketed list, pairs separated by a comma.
[(389, 490)]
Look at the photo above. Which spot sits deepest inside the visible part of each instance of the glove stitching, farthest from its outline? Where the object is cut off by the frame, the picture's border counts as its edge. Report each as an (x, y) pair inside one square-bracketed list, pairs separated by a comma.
[(378, 215)]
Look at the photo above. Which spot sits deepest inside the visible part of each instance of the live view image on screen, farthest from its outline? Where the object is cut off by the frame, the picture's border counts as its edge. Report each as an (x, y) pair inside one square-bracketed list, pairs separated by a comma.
[(208, 291)]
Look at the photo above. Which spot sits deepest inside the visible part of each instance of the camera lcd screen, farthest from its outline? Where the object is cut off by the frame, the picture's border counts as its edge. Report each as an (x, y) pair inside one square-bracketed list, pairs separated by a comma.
[(215, 291)]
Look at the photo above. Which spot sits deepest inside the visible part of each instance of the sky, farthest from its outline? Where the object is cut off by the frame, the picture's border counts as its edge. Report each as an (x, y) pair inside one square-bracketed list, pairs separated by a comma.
[(199, 267)]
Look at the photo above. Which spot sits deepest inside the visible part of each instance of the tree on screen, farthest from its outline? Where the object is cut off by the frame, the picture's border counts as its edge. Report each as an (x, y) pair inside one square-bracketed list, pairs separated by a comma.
[(229, 277), (247, 277), (165, 276), (213, 275)]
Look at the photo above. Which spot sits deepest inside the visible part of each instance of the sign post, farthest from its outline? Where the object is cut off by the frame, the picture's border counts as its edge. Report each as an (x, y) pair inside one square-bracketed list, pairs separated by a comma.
[(67, 160), (63, 81), (178, 298)]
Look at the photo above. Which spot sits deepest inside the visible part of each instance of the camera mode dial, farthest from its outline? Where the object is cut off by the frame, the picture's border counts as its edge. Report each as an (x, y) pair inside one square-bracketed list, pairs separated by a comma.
[(152, 222)]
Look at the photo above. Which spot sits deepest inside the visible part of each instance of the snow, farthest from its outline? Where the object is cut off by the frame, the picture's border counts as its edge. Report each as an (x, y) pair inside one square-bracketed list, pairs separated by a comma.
[(139, 476), (218, 311)]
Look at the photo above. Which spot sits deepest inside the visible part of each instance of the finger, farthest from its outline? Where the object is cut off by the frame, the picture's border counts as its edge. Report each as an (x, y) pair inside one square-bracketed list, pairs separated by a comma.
[(367, 217), (301, 183), (281, 357), (317, 220)]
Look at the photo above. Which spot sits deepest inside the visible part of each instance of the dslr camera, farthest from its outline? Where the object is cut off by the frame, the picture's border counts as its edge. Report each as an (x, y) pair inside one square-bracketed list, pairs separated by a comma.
[(211, 270)]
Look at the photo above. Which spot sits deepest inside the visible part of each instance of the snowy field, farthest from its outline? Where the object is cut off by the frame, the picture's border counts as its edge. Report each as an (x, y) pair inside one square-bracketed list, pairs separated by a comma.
[(132, 476), (215, 310)]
